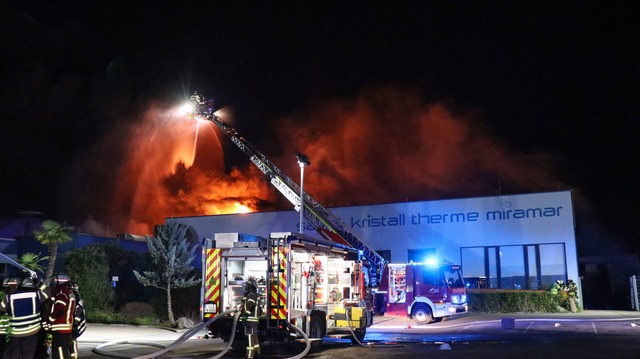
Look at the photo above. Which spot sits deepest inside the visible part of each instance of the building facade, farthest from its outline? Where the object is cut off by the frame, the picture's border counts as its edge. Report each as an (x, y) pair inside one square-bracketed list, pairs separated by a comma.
[(523, 241)]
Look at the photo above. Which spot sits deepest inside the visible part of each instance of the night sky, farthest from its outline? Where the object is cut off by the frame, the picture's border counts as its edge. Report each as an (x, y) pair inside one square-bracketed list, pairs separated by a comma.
[(552, 86)]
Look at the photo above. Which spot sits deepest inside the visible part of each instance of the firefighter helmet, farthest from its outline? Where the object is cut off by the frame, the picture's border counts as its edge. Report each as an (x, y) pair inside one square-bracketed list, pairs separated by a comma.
[(60, 278), (10, 281), (251, 285), (27, 283)]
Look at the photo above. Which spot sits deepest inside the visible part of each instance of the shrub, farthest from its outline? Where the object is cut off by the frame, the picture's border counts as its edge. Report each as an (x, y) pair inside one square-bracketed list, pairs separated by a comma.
[(103, 317), (96, 316), (134, 313), (186, 303), (133, 310), (88, 267), (511, 301), (146, 321)]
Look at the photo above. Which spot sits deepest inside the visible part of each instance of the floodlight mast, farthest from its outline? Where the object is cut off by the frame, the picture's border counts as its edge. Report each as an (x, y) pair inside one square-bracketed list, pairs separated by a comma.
[(326, 224)]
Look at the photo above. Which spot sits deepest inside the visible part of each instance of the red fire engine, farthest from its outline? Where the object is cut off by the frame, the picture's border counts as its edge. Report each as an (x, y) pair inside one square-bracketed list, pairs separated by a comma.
[(422, 291)]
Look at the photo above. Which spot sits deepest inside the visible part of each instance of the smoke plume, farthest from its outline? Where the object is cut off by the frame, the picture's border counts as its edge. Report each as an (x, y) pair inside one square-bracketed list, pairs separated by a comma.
[(386, 145)]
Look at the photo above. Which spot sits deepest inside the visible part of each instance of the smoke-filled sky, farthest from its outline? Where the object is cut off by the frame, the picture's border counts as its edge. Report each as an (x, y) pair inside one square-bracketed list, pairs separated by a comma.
[(391, 102)]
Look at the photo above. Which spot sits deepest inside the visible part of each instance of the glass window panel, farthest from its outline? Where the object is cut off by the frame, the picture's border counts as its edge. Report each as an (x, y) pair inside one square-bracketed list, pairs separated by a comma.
[(512, 267), (472, 261), (552, 264), (493, 267), (473, 267), (533, 268)]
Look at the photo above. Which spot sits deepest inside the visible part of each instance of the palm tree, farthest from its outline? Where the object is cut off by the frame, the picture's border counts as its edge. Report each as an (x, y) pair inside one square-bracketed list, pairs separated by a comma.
[(32, 261), (51, 234)]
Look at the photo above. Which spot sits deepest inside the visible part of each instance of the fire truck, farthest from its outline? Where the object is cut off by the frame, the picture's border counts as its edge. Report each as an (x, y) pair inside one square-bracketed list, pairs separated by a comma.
[(331, 228), (322, 220), (314, 284), (424, 292)]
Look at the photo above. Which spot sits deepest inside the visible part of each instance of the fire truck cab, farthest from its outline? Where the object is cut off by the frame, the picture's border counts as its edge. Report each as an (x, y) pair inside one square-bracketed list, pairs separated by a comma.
[(423, 292), (313, 284)]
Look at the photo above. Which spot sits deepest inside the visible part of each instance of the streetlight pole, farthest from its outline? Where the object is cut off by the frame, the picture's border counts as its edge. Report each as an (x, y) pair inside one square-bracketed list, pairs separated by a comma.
[(302, 161)]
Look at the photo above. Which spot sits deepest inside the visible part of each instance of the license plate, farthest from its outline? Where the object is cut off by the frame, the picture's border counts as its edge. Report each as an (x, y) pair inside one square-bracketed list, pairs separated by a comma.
[(210, 308)]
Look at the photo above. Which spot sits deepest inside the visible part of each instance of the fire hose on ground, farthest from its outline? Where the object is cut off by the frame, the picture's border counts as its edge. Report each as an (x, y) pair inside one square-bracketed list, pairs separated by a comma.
[(183, 338), (188, 334), (367, 345)]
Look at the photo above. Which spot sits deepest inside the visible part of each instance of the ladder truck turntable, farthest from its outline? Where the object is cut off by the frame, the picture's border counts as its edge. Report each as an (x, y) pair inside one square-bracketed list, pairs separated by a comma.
[(357, 268)]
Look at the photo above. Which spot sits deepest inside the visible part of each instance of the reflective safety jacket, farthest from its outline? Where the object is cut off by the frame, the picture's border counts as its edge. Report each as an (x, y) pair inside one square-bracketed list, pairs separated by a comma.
[(23, 309), (251, 307), (63, 309), (80, 318), (4, 323)]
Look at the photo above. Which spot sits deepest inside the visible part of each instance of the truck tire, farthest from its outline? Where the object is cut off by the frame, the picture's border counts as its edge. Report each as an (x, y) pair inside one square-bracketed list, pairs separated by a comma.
[(317, 330), (422, 314), (316, 327), (359, 335)]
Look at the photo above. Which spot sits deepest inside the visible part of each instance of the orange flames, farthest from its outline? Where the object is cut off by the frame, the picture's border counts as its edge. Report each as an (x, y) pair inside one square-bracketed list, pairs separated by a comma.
[(387, 145), (173, 166)]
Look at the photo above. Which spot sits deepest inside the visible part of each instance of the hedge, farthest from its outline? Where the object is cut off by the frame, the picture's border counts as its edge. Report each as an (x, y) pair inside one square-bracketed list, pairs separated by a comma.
[(511, 301)]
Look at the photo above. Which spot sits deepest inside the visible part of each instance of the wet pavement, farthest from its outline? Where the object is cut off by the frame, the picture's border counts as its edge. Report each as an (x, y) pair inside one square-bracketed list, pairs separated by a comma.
[(591, 333)]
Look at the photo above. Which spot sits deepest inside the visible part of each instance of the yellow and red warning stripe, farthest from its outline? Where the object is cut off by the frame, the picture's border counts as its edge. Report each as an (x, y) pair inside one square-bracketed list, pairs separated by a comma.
[(212, 279), (279, 283)]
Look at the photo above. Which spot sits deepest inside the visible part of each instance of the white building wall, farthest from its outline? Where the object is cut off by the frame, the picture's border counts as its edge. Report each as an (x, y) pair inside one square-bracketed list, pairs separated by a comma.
[(446, 225)]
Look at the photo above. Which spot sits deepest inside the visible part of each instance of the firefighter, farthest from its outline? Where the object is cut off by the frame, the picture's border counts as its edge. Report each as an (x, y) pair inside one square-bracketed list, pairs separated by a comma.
[(250, 313), (79, 321), (23, 308), (9, 285), (61, 317)]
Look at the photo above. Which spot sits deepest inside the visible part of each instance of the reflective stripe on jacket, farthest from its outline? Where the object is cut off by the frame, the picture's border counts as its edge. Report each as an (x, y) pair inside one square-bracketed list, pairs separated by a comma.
[(4, 324), (62, 311), (23, 308)]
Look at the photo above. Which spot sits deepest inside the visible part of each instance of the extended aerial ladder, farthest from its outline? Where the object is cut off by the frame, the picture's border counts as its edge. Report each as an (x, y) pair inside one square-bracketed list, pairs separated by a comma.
[(326, 224)]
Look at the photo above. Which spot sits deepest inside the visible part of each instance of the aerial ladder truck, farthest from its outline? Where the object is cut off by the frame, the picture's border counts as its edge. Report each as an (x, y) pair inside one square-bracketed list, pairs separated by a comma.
[(325, 223), (294, 271)]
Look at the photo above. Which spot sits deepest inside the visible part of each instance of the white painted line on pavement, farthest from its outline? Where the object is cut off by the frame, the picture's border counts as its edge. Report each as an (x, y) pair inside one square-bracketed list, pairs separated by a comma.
[(529, 327)]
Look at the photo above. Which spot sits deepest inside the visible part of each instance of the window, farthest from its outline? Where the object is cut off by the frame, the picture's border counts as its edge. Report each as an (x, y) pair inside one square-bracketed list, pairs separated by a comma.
[(512, 267), (432, 277), (533, 266), (473, 267), (553, 265)]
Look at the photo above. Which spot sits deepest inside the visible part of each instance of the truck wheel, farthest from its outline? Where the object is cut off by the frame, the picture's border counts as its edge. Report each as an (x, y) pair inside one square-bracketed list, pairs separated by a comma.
[(316, 331), (422, 314), (359, 335)]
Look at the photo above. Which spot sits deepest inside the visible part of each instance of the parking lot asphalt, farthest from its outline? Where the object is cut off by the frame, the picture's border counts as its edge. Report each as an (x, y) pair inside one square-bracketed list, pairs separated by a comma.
[(383, 322), (588, 334), (100, 333)]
